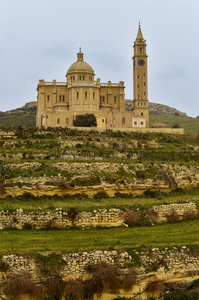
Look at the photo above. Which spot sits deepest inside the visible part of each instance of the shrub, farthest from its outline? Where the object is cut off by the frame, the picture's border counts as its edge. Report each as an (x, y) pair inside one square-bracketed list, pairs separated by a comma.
[(61, 183), (4, 266), (103, 274), (72, 214), (55, 286), (131, 218), (168, 179), (87, 120), (128, 282), (150, 193), (49, 264), (74, 290), (173, 217), (174, 286), (176, 126), (21, 283), (153, 267), (141, 174), (101, 195), (86, 181), (90, 289), (27, 226), (181, 295), (154, 286)]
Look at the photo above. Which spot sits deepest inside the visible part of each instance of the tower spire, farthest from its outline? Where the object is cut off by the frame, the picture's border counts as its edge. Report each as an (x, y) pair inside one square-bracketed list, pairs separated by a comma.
[(139, 34)]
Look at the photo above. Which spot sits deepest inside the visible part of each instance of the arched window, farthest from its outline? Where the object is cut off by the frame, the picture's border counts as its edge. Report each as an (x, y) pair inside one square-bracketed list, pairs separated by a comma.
[(140, 50), (141, 114), (63, 98), (93, 95), (77, 94), (86, 94), (48, 98), (58, 121), (80, 77), (123, 121), (67, 121), (60, 98), (115, 99)]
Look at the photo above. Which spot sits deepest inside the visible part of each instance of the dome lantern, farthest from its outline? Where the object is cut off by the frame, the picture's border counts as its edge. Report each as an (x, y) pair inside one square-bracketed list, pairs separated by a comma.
[(80, 55), (80, 66)]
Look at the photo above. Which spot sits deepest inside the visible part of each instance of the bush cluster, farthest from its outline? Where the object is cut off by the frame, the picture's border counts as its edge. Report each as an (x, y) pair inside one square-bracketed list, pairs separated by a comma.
[(88, 120)]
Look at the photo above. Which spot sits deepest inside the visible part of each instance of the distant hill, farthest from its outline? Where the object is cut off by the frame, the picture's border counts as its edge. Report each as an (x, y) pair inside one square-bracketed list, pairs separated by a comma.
[(157, 109), (25, 115), (160, 116)]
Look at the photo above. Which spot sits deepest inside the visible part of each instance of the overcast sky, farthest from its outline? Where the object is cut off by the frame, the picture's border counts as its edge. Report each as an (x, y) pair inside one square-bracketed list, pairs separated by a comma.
[(39, 39)]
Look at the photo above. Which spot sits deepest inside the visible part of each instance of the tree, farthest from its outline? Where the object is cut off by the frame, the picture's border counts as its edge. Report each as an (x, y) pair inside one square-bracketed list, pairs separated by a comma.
[(87, 120)]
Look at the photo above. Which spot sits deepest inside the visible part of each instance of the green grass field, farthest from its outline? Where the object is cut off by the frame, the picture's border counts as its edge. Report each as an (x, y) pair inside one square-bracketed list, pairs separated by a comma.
[(190, 125), (166, 235), (89, 204)]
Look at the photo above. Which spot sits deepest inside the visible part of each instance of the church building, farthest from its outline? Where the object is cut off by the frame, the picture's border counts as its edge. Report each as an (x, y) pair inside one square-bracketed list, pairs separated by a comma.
[(58, 103)]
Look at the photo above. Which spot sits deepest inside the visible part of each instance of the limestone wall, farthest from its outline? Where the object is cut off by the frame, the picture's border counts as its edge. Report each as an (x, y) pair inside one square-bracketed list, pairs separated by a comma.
[(172, 264), (143, 130), (59, 219), (102, 217), (163, 212), (167, 260)]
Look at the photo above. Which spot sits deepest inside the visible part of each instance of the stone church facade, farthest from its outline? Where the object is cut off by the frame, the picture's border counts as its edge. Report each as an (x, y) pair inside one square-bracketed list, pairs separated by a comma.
[(58, 103)]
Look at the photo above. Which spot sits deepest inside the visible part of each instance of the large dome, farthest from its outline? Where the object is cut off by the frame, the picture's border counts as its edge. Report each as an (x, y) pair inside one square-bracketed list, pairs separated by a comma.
[(80, 66)]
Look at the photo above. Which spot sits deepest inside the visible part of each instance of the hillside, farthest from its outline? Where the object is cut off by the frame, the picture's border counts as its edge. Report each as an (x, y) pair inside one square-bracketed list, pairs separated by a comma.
[(160, 116), (125, 203), (25, 115)]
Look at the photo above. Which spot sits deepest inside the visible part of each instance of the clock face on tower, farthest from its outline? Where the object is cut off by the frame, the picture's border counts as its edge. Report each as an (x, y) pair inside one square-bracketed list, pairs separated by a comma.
[(141, 62)]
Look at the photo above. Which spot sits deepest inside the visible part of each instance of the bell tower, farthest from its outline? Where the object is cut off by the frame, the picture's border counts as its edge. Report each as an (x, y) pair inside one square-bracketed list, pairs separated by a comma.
[(140, 83)]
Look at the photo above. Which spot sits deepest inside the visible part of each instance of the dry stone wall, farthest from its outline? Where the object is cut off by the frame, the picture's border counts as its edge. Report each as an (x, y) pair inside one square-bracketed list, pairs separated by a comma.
[(163, 212), (59, 219), (101, 217), (167, 260)]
